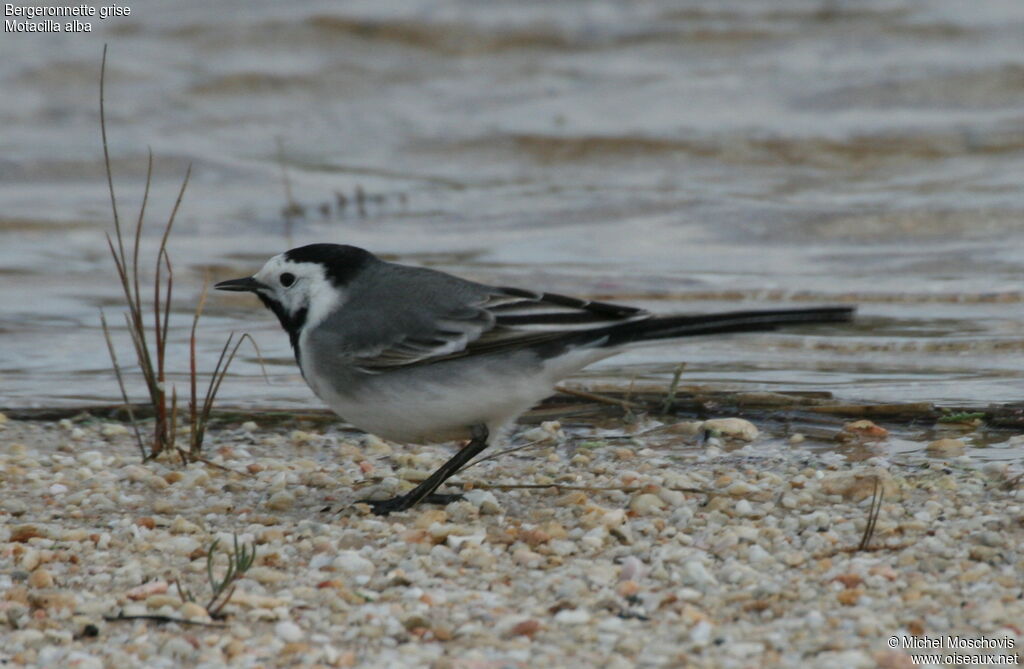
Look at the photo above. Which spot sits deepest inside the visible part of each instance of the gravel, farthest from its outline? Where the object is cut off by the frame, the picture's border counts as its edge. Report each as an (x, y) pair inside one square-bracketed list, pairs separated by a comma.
[(616, 562)]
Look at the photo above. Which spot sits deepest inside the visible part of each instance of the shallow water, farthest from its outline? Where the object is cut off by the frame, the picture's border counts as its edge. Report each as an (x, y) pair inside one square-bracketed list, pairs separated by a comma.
[(681, 156)]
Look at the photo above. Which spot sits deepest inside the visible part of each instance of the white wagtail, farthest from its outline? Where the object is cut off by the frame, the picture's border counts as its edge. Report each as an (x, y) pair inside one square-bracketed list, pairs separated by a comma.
[(416, 355)]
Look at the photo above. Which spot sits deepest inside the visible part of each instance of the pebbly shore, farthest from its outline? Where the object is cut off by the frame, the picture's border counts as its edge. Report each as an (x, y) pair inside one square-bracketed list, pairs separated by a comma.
[(578, 550)]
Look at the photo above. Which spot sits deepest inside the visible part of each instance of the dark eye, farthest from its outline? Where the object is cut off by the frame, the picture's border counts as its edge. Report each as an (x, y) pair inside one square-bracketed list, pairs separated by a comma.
[(287, 279)]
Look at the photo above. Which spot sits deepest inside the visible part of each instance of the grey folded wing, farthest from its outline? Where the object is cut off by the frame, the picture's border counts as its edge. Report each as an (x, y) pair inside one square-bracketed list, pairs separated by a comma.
[(488, 320)]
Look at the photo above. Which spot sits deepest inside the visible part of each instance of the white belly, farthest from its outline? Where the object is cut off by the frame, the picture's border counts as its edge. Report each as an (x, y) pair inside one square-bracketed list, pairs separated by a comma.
[(441, 402)]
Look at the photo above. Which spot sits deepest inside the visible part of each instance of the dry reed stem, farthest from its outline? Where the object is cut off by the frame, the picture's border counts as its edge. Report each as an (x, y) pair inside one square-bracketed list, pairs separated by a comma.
[(594, 397)]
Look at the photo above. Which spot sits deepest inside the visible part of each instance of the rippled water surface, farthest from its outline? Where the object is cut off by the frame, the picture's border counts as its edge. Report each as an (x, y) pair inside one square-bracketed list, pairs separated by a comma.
[(678, 155)]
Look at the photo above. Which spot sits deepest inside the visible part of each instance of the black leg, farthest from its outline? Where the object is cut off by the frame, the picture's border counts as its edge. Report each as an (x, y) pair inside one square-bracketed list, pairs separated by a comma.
[(424, 492)]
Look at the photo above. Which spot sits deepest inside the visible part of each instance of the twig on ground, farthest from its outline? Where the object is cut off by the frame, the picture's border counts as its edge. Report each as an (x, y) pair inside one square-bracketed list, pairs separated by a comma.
[(220, 370), (670, 398), (189, 457), (628, 416), (560, 487), (876, 508), (594, 397), (121, 617), (120, 384), (521, 447), (199, 417)]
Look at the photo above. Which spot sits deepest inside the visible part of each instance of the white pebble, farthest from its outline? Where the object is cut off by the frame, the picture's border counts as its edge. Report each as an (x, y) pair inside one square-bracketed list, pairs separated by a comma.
[(700, 633), (595, 538), (737, 428), (456, 541), (695, 573), (484, 500), (30, 559), (177, 648), (562, 547), (93, 459), (288, 631), (573, 616), (613, 518), (281, 501), (182, 545), (548, 431), (646, 503), (632, 569), (352, 562), (181, 526), (320, 560), (374, 445), (757, 554), (671, 497), (113, 429), (689, 594)]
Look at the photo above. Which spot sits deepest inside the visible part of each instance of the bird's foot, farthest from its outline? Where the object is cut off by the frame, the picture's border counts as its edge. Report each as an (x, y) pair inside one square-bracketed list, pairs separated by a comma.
[(382, 507)]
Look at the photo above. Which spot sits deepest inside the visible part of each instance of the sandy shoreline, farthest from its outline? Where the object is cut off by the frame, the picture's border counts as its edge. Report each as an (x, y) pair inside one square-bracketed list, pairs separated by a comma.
[(619, 567)]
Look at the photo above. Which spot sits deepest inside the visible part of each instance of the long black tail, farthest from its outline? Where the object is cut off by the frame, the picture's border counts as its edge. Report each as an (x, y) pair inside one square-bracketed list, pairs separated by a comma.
[(667, 327)]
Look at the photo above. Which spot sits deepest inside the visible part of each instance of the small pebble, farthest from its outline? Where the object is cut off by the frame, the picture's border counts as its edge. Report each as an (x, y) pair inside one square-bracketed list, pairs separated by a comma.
[(946, 447), (374, 445), (351, 562), (41, 578), (281, 500), (192, 611), (757, 555), (484, 500), (113, 430), (30, 559), (525, 628), (695, 573), (300, 437), (700, 633), (646, 504), (146, 589), (864, 430), (736, 428), (288, 631), (572, 616)]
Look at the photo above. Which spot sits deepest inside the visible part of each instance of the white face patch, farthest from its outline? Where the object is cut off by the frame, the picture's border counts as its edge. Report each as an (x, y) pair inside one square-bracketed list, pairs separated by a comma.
[(307, 288)]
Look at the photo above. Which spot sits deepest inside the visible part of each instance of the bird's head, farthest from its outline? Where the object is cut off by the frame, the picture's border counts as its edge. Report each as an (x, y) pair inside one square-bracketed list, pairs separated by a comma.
[(304, 285)]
